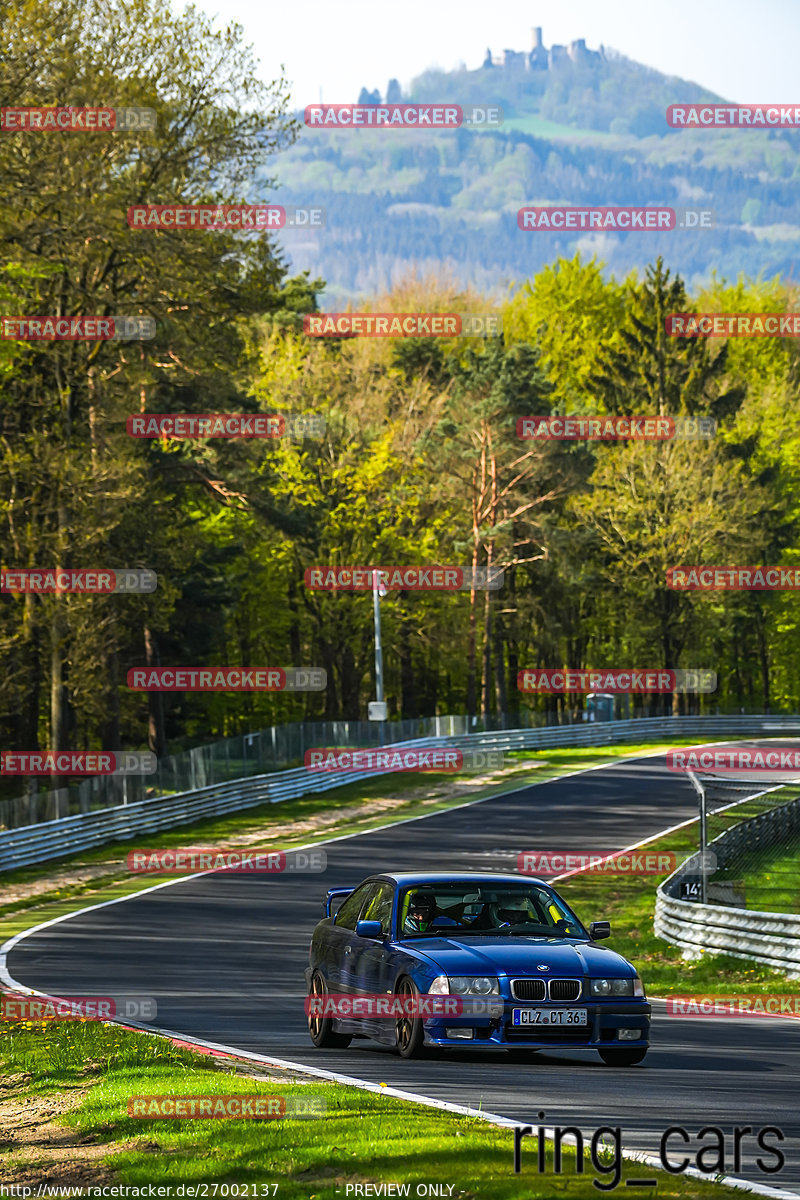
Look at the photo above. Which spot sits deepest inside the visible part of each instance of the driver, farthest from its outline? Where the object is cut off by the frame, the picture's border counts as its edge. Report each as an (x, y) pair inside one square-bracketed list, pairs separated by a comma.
[(421, 912)]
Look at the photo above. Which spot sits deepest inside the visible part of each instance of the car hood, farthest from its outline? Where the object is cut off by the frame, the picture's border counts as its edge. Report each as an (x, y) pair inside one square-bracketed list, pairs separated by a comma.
[(519, 956)]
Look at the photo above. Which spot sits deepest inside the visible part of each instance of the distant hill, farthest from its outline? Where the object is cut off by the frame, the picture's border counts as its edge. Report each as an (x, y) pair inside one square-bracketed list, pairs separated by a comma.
[(582, 127)]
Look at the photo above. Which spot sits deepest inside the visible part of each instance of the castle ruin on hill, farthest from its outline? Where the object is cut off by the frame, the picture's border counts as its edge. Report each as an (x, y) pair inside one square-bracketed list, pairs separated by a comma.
[(540, 58)]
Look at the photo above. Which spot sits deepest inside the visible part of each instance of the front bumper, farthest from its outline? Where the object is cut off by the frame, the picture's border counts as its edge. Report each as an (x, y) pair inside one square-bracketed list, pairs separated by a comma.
[(605, 1019)]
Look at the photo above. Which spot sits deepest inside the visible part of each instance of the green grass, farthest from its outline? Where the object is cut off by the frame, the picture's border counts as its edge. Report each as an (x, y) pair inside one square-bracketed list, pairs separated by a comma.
[(537, 126), (628, 902), (362, 1136), (771, 882)]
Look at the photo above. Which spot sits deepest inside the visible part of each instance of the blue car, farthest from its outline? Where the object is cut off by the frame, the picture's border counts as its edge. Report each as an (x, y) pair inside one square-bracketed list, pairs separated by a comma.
[(470, 960)]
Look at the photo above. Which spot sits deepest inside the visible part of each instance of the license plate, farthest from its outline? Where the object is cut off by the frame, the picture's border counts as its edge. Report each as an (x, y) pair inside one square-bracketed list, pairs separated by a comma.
[(549, 1016)]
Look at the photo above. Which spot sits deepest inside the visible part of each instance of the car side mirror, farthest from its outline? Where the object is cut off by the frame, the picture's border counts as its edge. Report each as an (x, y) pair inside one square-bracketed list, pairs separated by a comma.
[(599, 930), (368, 929)]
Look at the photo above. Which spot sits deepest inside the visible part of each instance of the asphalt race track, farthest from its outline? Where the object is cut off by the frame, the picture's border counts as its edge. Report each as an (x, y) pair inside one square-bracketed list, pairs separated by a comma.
[(224, 957)]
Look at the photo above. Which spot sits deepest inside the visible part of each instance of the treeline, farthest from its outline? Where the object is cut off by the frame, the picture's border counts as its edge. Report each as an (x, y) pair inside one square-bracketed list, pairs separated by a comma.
[(420, 462), (439, 197)]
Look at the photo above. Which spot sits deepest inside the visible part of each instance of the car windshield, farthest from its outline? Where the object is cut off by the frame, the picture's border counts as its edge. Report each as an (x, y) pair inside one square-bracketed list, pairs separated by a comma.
[(485, 909)]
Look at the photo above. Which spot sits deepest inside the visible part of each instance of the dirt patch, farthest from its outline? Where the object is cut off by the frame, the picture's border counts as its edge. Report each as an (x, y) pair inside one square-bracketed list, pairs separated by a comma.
[(69, 877), (38, 1149)]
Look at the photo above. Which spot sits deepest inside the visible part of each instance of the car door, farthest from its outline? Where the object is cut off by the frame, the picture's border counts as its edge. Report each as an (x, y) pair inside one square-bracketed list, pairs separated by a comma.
[(369, 959), (341, 938)]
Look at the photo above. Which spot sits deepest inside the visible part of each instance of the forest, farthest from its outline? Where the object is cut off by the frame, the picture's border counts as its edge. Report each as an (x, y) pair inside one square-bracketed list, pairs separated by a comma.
[(419, 463)]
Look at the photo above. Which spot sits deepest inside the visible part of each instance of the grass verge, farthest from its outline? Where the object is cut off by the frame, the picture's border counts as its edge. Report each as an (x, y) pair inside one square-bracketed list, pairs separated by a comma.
[(362, 1137), (628, 902)]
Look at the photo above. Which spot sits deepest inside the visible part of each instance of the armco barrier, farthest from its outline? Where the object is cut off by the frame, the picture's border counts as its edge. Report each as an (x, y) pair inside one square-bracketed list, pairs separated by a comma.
[(56, 839), (769, 938)]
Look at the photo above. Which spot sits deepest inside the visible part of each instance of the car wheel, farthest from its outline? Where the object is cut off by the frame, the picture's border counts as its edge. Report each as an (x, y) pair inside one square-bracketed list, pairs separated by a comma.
[(320, 1029), (408, 1030), (622, 1058)]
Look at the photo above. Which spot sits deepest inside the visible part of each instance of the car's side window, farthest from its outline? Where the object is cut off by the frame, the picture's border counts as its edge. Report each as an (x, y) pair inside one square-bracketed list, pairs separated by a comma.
[(348, 914), (379, 907)]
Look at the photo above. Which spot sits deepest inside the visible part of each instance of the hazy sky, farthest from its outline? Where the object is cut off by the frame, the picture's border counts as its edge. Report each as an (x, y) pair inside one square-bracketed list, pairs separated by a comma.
[(744, 51)]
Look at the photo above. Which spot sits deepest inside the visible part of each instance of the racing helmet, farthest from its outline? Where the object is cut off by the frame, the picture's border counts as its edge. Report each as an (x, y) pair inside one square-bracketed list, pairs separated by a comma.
[(422, 906)]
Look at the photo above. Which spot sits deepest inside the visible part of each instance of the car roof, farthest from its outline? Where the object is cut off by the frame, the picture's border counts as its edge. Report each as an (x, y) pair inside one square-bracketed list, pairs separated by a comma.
[(406, 878)]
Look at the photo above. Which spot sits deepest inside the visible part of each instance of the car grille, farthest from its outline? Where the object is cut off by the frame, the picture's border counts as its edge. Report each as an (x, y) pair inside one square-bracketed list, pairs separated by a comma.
[(565, 989), (528, 989), (537, 989)]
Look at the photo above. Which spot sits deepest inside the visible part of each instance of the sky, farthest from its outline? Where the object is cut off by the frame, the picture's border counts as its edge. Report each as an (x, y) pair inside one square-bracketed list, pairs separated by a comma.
[(744, 51)]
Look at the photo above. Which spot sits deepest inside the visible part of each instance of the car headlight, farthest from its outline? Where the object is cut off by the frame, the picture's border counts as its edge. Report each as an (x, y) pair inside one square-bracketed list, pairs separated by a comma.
[(465, 985), (616, 987)]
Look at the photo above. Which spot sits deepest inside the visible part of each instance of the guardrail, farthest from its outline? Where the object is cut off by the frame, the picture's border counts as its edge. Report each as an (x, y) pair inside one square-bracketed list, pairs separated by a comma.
[(764, 937), (67, 835)]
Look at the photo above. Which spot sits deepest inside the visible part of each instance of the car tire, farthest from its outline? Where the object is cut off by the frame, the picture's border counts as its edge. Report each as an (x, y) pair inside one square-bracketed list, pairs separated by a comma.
[(409, 1034), (320, 1029), (622, 1058)]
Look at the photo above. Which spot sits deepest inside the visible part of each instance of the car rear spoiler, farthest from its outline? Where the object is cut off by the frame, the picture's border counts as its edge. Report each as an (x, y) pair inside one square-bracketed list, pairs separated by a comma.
[(332, 894)]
